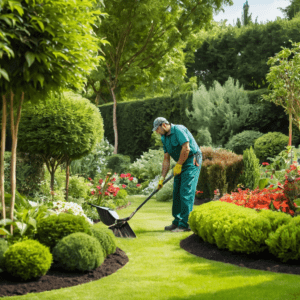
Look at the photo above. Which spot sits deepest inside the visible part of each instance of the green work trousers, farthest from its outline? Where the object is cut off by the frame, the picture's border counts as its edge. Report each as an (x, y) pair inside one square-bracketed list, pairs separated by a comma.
[(184, 191)]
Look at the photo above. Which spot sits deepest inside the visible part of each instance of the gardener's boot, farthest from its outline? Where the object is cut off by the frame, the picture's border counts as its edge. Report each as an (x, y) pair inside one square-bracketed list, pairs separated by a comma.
[(171, 227)]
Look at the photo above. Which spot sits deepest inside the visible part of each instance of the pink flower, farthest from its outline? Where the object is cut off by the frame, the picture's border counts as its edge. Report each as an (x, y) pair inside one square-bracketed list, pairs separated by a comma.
[(100, 193), (98, 187), (122, 175), (106, 194), (114, 179), (271, 176), (100, 181), (265, 164), (123, 186), (130, 178), (92, 192), (138, 185)]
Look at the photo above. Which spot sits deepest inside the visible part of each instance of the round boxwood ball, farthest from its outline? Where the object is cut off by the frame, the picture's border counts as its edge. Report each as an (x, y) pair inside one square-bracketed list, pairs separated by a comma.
[(27, 259), (106, 239), (78, 251)]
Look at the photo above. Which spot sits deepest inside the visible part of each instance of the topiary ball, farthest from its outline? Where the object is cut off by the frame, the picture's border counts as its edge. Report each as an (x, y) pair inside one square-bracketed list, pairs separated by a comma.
[(242, 141), (118, 163), (78, 251), (122, 194), (27, 259), (270, 145), (106, 238), (53, 228), (3, 248)]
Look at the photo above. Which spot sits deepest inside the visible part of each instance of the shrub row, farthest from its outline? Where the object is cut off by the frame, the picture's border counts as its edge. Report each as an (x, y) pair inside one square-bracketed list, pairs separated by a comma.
[(246, 230), (67, 239)]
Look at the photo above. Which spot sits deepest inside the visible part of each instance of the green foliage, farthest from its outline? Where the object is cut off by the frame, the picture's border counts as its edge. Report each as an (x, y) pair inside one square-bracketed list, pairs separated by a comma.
[(291, 10), (78, 251), (242, 141), (156, 142), (277, 219), (284, 242), (3, 248), (149, 164), (78, 187), (219, 113), (27, 259), (270, 145), (118, 163), (230, 226), (251, 175), (29, 173), (106, 239), (93, 163), (63, 30), (53, 228), (122, 194)]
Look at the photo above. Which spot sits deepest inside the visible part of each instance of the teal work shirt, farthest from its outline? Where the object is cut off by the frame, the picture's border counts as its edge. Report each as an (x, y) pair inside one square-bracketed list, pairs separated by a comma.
[(179, 135)]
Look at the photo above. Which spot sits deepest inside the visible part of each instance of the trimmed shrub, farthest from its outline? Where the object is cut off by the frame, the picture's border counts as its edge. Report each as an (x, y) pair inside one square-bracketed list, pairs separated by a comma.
[(251, 175), (276, 218), (230, 226), (106, 238), (122, 194), (27, 259), (3, 248), (284, 242), (78, 251), (270, 145), (118, 163), (53, 228), (242, 141)]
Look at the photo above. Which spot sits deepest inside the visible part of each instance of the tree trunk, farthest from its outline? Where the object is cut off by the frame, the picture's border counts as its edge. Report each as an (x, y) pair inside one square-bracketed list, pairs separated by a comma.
[(290, 130), (115, 120), (97, 99), (14, 133), (3, 138), (68, 162)]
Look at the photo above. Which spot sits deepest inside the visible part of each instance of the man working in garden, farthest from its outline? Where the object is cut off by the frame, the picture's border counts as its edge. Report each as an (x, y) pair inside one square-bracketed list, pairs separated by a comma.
[(179, 143)]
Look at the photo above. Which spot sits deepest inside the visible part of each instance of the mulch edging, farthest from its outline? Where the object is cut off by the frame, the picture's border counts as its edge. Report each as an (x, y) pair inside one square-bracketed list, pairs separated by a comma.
[(56, 278)]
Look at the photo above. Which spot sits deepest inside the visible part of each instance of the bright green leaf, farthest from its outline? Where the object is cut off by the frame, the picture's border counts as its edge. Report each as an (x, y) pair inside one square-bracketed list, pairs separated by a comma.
[(30, 57)]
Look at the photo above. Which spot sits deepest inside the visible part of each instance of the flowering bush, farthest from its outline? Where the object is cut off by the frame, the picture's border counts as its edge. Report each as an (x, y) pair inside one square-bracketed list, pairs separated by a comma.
[(71, 208), (260, 199)]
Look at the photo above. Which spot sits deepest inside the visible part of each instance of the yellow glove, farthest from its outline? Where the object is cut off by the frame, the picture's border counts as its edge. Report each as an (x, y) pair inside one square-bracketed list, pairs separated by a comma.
[(160, 183), (177, 169)]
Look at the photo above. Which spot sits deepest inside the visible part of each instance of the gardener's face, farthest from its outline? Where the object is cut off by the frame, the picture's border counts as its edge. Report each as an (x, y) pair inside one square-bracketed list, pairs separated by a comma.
[(161, 129)]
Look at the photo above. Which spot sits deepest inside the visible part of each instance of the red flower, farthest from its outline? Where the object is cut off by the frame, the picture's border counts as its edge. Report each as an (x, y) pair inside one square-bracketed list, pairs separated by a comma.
[(100, 181), (106, 194), (90, 179), (92, 192), (265, 164), (123, 186), (128, 175), (113, 179), (276, 204), (98, 187), (138, 185), (130, 178)]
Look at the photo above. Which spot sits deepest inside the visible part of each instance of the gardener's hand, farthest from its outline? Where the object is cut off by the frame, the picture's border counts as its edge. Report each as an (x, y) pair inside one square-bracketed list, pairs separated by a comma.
[(161, 182), (177, 169)]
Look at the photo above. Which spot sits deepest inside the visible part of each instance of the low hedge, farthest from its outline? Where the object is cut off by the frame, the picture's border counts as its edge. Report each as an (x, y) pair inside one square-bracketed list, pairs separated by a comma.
[(237, 228)]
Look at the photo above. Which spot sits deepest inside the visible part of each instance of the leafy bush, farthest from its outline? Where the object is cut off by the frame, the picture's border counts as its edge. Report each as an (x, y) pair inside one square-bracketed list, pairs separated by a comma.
[(27, 259), (3, 248), (93, 163), (284, 242), (118, 163), (203, 137), (276, 219), (78, 187), (149, 165), (270, 145), (251, 175), (122, 194), (53, 228), (242, 141), (230, 226), (78, 251), (106, 239), (156, 142)]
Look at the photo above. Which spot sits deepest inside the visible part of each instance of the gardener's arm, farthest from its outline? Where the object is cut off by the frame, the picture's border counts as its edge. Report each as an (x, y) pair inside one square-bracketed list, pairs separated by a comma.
[(165, 165), (184, 154)]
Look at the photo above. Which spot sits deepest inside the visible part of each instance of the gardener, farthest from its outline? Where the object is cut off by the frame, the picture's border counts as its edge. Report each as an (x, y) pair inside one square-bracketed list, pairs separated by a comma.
[(179, 143)]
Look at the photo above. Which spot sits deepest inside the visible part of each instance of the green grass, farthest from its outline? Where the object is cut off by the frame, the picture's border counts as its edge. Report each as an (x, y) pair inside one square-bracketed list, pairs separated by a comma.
[(159, 269)]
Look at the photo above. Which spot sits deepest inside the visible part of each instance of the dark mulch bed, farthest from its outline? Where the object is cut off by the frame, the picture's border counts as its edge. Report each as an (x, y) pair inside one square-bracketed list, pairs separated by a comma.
[(57, 278), (263, 261)]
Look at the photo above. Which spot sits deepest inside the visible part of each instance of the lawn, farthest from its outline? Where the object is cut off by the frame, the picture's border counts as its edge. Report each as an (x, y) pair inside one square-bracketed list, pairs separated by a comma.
[(159, 269)]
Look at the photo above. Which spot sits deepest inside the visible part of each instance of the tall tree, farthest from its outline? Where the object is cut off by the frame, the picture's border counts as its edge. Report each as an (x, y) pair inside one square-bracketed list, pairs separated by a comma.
[(246, 18), (43, 47), (284, 83), (291, 10), (140, 34)]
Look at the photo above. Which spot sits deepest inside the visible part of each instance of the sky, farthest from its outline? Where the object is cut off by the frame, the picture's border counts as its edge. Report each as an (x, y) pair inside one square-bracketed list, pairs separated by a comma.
[(263, 9)]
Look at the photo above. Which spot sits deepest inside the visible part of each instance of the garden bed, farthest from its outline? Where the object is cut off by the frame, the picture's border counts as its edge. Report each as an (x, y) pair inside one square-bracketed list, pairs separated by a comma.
[(57, 278)]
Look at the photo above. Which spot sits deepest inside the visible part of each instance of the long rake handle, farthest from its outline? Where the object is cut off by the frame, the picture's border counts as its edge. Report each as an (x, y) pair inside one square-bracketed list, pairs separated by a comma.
[(153, 193)]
